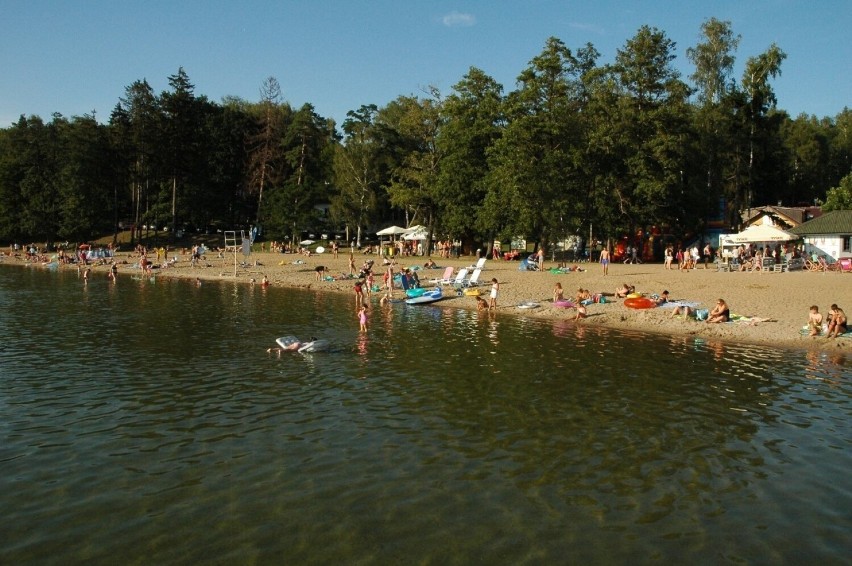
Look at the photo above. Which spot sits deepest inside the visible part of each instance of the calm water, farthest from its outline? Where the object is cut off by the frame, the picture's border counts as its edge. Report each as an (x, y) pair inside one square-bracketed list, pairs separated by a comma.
[(145, 423)]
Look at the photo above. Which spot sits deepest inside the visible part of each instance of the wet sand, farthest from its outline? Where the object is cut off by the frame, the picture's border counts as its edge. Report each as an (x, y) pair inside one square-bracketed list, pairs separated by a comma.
[(777, 303)]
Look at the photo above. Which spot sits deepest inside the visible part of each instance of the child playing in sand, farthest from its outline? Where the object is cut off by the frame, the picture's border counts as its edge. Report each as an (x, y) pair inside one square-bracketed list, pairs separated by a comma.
[(814, 321), (481, 304)]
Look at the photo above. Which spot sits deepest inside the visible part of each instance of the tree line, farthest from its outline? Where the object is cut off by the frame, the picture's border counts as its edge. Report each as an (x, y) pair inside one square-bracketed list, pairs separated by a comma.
[(578, 146)]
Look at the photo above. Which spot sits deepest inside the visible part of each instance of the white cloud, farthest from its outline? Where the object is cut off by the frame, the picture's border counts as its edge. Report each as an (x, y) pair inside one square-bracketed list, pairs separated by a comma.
[(456, 19)]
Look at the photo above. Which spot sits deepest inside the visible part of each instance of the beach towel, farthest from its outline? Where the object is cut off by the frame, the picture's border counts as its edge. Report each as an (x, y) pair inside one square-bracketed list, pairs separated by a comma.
[(748, 320), (679, 303)]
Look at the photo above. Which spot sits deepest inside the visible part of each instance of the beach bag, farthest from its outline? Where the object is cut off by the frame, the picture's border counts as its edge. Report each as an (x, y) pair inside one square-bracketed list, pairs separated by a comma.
[(701, 314)]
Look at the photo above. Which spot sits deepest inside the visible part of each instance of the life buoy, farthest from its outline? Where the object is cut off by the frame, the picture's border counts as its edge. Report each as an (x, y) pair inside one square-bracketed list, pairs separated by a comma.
[(563, 304), (639, 303), (634, 296)]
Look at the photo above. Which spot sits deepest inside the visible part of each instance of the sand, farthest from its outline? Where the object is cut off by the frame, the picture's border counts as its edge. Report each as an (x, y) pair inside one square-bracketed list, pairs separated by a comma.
[(777, 303)]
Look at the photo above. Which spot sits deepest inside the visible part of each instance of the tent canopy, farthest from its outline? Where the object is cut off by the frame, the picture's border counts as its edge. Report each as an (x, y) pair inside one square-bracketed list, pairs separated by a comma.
[(760, 233), (417, 233), (391, 231)]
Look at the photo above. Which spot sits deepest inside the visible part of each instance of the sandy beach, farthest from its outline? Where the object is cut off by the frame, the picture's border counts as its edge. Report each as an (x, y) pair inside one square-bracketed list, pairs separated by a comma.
[(776, 303)]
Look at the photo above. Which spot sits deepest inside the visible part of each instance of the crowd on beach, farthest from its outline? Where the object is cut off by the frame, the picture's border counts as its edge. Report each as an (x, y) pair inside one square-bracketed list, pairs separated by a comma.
[(375, 279)]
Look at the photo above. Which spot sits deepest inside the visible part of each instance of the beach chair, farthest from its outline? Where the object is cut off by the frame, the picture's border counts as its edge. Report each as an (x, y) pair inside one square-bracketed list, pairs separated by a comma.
[(479, 264), (445, 279), (834, 266), (460, 277), (474, 279)]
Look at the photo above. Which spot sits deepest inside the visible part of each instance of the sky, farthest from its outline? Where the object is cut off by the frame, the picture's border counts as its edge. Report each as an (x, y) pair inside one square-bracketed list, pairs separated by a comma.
[(76, 57)]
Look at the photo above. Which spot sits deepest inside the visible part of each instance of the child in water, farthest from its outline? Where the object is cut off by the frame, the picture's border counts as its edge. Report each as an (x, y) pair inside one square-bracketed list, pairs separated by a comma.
[(362, 317)]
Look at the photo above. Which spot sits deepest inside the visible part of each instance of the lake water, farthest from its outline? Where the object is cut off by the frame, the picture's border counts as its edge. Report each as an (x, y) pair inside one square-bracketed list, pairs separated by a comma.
[(145, 423)]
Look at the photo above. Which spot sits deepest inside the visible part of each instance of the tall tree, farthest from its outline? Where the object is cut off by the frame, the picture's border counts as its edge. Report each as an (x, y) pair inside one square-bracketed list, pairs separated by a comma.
[(759, 99), (141, 108), (716, 143), (644, 137), (85, 180), (307, 148), (535, 162), (805, 140), (360, 168), (265, 151), (180, 128), (39, 161), (416, 123), (472, 123)]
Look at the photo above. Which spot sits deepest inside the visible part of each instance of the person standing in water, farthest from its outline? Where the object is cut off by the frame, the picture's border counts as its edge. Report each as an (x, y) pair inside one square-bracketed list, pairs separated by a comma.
[(362, 317)]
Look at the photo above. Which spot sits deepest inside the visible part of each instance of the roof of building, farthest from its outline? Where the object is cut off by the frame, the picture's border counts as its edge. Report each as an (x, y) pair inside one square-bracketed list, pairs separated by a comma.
[(789, 216), (835, 222)]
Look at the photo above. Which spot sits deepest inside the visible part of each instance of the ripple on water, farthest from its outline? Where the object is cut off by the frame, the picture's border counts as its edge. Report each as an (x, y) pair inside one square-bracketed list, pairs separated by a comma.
[(144, 417)]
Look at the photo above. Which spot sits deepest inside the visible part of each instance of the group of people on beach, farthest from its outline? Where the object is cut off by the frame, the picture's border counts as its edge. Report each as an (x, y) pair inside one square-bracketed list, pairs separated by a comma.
[(835, 324)]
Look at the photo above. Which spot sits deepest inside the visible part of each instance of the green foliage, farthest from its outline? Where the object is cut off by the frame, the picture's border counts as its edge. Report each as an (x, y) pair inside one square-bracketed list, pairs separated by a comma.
[(840, 197), (473, 121), (576, 145)]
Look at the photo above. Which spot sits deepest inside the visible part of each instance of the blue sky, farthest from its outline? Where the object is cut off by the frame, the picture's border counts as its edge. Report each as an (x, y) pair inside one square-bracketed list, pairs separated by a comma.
[(76, 56)]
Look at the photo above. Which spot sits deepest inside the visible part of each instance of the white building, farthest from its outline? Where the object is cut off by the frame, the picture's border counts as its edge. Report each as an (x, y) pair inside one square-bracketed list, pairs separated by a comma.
[(830, 235)]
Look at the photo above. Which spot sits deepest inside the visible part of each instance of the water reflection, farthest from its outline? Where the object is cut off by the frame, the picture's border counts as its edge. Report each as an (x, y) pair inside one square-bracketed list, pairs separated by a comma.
[(159, 402)]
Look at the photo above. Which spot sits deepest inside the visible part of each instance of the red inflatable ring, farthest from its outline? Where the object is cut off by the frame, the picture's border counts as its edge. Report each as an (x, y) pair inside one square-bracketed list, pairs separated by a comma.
[(639, 303)]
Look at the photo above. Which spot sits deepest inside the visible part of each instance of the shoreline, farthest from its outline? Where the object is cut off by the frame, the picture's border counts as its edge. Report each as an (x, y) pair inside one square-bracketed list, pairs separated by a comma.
[(778, 303)]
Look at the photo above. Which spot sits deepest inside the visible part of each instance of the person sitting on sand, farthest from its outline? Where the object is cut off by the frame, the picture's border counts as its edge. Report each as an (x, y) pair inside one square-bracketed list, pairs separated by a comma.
[(624, 291), (583, 295), (720, 313), (814, 321), (664, 298), (837, 322), (430, 264), (558, 293)]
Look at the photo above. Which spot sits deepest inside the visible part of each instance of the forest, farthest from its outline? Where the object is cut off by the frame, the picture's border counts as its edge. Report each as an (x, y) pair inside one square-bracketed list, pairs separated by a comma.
[(578, 147)]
